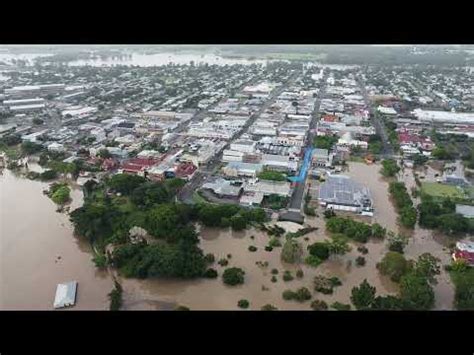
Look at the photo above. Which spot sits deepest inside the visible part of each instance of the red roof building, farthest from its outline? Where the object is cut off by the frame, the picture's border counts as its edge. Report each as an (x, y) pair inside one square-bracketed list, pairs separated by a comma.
[(330, 118), (137, 165), (465, 251), (185, 170), (408, 138)]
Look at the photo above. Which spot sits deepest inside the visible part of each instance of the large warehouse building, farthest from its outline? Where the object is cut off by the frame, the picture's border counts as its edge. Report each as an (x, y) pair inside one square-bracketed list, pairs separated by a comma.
[(444, 116), (340, 192)]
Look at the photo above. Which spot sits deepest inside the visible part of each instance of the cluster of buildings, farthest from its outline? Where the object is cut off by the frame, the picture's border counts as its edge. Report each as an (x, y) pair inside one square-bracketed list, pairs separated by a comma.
[(273, 142), (414, 99), (172, 121), (344, 114)]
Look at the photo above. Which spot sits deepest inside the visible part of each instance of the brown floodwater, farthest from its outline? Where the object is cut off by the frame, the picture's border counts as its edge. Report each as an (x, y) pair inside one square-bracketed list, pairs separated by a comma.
[(206, 294), (32, 237), (420, 240), (429, 241), (33, 234)]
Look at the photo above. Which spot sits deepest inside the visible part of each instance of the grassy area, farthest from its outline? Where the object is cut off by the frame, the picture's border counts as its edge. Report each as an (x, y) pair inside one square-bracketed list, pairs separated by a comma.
[(272, 175), (440, 190)]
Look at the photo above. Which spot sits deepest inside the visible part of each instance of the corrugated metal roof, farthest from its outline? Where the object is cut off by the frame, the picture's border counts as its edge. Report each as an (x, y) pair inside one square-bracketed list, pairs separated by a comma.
[(65, 294), (343, 190)]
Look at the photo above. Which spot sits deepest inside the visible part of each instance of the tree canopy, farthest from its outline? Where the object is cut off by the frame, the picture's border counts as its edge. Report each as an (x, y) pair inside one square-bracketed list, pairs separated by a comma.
[(363, 296), (393, 265), (125, 183), (389, 167)]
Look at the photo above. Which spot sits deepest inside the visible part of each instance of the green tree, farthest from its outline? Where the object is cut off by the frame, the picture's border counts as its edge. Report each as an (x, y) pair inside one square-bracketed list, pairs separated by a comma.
[(302, 294), (378, 231), (163, 222), (427, 266), (61, 195), (243, 304), (104, 153), (125, 183), (288, 295), (362, 297), (287, 276), (319, 305), (397, 242), (338, 306), (338, 245), (115, 297), (269, 307), (48, 175), (210, 273), (319, 249), (391, 303), (233, 276), (463, 279), (389, 168), (415, 292), (210, 258), (29, 148), (291, 251), (419, 159), (182, 308), (393, 265), (325, 142), (150, 193), (94, 220), (408, 216), (238, 222)]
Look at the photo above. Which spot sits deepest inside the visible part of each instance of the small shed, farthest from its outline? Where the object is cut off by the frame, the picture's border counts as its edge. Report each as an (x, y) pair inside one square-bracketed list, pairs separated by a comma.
[(65, 294)]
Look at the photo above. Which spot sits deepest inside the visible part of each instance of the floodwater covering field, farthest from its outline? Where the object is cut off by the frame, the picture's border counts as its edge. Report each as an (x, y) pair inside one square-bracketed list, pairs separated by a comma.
[(33, 235)]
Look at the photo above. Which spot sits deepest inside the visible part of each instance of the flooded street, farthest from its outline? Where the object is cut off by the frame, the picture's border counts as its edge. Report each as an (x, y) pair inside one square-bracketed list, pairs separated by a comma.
[(33, 236)]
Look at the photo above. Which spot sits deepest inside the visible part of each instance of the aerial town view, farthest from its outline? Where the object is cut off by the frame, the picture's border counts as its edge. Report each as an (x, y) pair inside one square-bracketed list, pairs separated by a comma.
[(237, 177)]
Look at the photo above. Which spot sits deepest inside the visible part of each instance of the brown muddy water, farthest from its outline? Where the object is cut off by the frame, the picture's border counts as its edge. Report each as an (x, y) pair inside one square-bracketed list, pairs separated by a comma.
[(420, 240), (33, 234)]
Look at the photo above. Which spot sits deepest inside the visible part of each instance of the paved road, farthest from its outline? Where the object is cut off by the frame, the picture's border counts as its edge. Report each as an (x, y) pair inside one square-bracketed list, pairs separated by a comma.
[(296, 200), (387, 150)]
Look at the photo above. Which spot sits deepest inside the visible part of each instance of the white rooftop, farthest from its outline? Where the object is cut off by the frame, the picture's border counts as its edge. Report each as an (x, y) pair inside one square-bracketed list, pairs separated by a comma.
[(65, 294)]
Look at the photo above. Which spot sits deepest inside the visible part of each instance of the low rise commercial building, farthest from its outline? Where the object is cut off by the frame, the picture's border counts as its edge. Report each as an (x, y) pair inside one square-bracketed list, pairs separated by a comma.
[(223, 188), (235, 169), (267, 187), (321, 158)]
